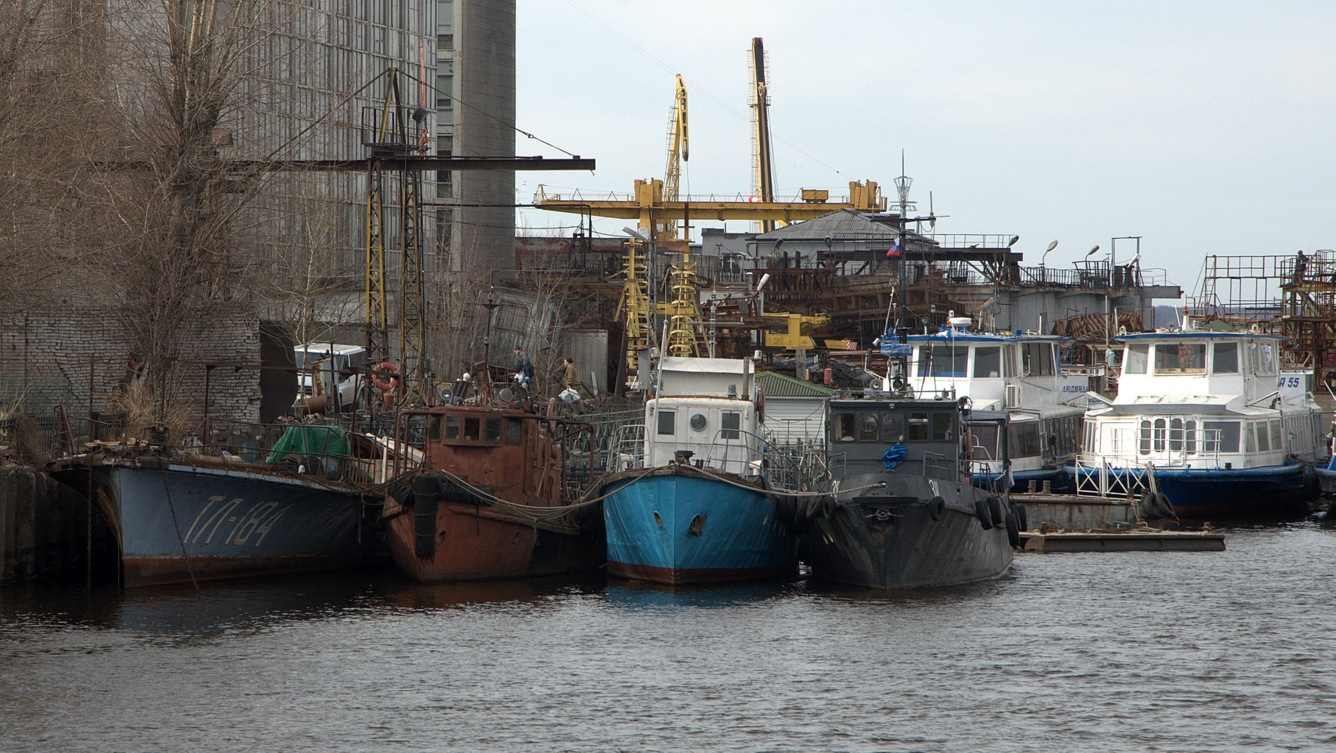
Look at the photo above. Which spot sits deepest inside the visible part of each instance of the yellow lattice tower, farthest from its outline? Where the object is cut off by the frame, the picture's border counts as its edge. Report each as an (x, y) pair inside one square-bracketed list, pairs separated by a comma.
[(684, 314), (635, 305)]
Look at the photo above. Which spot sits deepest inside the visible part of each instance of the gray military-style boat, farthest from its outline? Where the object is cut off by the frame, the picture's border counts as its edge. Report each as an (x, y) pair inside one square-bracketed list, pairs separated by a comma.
[(902, 512)]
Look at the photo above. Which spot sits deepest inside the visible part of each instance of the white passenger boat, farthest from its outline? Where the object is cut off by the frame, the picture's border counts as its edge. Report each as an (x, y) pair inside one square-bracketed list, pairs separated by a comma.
[(1021, 374), (1211, 421)]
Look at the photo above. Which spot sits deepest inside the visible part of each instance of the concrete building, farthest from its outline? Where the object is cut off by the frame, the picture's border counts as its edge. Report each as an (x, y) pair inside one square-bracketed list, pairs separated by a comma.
[(475, 117)]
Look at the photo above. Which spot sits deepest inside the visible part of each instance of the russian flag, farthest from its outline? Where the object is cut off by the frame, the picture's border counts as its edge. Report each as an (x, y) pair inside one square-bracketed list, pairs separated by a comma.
[(896, 249)]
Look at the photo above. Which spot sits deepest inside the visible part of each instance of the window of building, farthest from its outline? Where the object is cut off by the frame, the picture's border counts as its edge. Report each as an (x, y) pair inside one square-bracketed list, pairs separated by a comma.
[(445, 42), (987, 362), (1225, 358), (445, 92)]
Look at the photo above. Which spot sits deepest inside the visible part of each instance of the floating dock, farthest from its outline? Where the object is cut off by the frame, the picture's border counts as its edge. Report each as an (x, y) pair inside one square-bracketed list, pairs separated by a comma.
[(1136, 540), (1071, 512)]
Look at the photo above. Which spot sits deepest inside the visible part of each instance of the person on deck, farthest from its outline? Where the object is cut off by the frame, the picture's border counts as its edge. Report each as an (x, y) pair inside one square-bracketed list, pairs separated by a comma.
[(571, 379), (523, 369)]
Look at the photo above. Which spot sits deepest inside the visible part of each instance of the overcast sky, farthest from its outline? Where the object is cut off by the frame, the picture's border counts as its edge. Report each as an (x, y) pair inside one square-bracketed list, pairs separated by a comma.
[(1203, 127)]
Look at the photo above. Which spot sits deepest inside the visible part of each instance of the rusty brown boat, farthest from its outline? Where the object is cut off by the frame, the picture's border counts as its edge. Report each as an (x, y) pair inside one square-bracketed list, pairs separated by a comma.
[(499, 492)]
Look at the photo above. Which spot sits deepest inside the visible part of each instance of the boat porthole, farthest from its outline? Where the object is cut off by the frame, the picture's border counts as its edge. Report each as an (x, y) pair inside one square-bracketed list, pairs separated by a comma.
[(698, 422)]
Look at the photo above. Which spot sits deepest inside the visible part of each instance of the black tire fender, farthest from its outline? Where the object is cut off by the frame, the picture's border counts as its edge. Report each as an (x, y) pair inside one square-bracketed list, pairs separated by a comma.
[(937, 508), (1164, 506), (982, 512), (999, 512), (1022, 518), (1013, 530)]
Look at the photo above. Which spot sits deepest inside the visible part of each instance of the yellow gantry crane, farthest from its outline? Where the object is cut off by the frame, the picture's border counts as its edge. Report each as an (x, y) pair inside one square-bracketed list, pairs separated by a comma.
[(763, 178), (677, 154)]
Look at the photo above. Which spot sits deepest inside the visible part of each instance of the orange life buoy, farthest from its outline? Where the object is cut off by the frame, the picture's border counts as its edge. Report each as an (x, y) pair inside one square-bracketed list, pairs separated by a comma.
[(385, 376)]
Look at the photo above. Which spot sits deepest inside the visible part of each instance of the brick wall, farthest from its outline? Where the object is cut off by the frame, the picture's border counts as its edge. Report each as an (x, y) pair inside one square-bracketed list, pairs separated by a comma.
[(49, 358)]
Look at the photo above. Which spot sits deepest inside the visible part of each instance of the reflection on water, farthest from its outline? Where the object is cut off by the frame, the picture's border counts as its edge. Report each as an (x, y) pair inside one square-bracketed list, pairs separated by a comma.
[(1116, 651)]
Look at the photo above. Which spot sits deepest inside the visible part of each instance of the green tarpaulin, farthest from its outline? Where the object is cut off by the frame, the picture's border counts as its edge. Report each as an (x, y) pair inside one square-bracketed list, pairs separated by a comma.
[(304, 441)]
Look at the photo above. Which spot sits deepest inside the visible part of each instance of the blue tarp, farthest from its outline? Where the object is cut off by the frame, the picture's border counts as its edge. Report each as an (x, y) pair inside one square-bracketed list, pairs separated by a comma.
[(894, 457)]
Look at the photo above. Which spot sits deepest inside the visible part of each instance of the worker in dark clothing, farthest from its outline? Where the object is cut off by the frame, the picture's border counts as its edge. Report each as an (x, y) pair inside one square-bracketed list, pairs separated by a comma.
[(1300, 266), (523, 369)]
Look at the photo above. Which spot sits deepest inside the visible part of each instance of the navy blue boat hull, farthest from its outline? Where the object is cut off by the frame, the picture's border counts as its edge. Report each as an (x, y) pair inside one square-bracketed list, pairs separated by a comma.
[(681, 525), (1272, 492), (180, 523)]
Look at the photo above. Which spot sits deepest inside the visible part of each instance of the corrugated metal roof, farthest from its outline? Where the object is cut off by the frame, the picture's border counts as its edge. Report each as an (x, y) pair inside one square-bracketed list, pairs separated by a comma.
[(778, 385)]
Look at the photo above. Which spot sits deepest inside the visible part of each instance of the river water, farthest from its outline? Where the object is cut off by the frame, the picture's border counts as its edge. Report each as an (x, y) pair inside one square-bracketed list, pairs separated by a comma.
[(1165, 651)]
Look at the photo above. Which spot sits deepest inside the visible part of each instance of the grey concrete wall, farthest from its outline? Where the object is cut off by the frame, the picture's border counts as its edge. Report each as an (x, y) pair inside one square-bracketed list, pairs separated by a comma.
[(43, 526), (485, 127)]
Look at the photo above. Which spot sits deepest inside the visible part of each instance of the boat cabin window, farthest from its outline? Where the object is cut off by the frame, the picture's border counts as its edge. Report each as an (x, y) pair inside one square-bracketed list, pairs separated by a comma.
[(1037, 359), (1191, 437), (925, 426), (514, 430), (452, 427), (943, 361), (1220, 436), (892, 427), (987, 362), (1225, 358), (492, 430), (985, 439), (844, 427), (471, 426), (1266, 360), (667, 422), (1024, 439), (434, 429), (730, 424), (1135, 359), (868, 427), (1180, 358)]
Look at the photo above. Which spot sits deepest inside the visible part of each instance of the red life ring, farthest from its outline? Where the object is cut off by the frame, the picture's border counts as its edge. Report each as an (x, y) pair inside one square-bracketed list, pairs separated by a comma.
[(385, 376)]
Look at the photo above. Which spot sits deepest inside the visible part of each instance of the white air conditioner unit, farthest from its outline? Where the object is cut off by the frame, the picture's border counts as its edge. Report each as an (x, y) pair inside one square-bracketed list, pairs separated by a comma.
[(1013, 396)]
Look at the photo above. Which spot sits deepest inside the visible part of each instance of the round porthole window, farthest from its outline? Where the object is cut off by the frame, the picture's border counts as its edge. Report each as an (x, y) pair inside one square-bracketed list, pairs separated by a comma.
[(698, 422)]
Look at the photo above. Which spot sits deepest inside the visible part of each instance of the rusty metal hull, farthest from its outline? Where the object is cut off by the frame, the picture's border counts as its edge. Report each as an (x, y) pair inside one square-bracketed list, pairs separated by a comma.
[(182, 523), (493, 498), (892, 537), (476, 542)]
